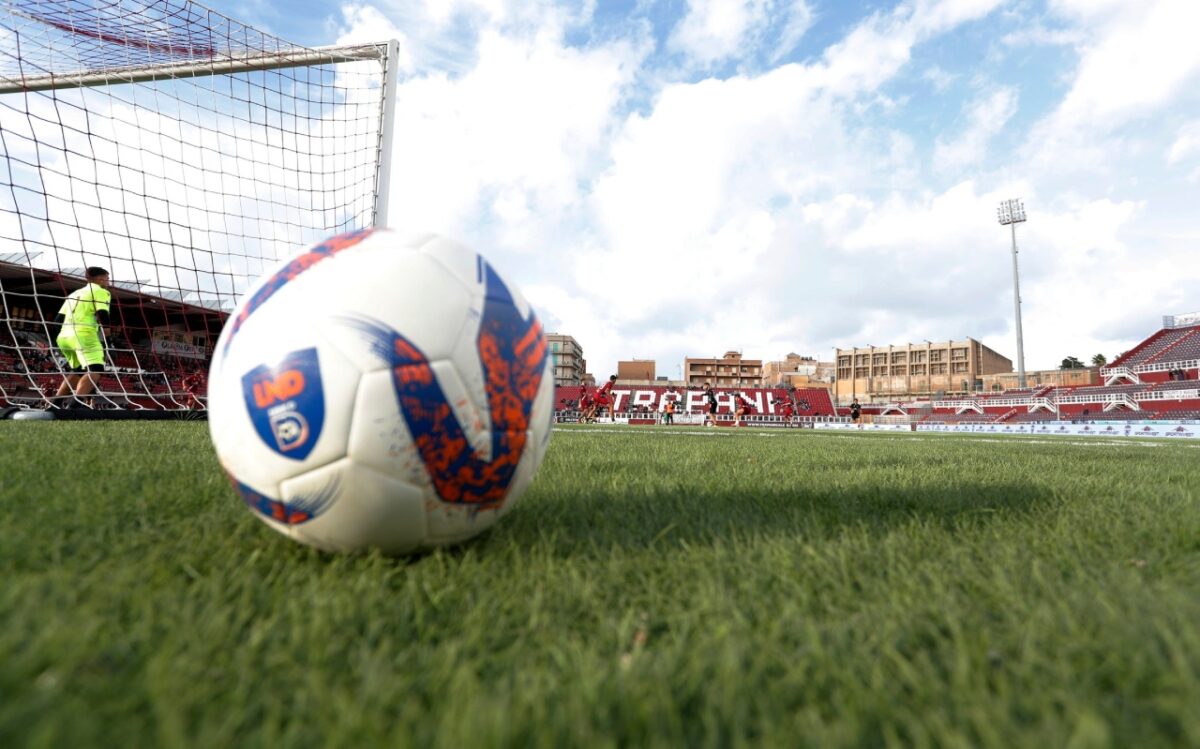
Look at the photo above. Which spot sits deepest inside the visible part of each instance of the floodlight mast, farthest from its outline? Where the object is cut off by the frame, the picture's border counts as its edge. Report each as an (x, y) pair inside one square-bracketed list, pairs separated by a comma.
[(1010, 213)]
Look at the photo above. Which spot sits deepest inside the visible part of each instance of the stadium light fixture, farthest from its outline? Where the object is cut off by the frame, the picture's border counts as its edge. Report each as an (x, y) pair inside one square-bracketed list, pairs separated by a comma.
[(1010, 213)]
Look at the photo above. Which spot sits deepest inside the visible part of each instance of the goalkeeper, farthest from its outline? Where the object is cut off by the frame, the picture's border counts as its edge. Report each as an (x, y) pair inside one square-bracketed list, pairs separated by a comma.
[(80, 318)]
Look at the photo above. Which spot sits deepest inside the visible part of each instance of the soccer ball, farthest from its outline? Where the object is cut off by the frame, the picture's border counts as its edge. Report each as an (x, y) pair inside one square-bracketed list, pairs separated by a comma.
[(381, 392)]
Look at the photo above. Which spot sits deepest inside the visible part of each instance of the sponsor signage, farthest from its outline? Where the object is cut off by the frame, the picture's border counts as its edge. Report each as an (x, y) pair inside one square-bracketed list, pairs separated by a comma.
[(864, 427), (1176, 431), (177, 348), (761, 400)]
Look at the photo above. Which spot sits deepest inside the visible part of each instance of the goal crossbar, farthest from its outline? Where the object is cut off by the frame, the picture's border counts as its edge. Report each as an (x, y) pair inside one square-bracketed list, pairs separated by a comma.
[(190, 69)]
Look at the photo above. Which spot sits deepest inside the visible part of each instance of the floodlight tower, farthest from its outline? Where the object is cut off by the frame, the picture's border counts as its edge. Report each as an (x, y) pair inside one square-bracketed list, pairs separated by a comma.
[(1011, 213)]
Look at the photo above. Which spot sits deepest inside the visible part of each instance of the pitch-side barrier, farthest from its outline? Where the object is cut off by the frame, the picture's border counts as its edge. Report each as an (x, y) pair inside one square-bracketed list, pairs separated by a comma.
[(697, 419), (1168, 429)]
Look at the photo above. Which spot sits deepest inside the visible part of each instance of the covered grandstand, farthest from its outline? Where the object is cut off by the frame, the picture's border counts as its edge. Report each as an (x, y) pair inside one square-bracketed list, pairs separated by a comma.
[(1157, 379)]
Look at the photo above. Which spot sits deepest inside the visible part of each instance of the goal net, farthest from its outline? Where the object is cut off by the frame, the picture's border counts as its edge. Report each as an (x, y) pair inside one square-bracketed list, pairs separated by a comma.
[(181, 151)]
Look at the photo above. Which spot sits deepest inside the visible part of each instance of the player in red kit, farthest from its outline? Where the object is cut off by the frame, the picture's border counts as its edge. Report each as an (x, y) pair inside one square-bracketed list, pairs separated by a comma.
[(787, 411), (586, 404), (604, 398), (742, 407)]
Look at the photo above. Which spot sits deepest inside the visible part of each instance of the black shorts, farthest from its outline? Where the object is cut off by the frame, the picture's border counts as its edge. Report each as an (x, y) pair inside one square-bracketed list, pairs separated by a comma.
[(712, 410)]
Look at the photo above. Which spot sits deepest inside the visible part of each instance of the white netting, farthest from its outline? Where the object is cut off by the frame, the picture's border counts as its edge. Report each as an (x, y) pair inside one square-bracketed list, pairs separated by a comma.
[(182, 151)]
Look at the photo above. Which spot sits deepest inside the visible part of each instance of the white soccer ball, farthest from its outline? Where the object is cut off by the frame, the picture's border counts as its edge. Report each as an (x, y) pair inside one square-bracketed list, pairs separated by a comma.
[(381, 392)]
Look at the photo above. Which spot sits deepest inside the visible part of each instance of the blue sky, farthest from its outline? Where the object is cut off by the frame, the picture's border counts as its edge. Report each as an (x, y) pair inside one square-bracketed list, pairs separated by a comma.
[(681, 178)]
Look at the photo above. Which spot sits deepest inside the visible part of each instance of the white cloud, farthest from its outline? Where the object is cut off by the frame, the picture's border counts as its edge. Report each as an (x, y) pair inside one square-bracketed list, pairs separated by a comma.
[(875, 50), (941, 79), (1039, 35), (985, 118), (799, 19), (1142, 58), (1186, 145), (522, 128), (1135, 60), (713, 31)]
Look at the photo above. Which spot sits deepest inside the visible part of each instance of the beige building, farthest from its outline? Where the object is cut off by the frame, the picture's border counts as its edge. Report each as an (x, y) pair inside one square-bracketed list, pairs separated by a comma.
[(731, 370), (799, 371), (884, 373), (635, 369), (569, 364)]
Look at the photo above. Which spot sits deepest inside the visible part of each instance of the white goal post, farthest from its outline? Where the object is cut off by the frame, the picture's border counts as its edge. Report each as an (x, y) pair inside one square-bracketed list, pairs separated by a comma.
[(183, 152)]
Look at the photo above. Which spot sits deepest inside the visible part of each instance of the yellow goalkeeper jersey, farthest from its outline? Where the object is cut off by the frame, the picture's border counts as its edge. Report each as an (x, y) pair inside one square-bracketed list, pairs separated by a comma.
[(79, 309)]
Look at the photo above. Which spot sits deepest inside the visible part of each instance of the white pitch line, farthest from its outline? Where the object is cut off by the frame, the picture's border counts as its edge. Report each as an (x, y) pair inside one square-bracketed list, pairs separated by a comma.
[(926, 437), (719, 432)]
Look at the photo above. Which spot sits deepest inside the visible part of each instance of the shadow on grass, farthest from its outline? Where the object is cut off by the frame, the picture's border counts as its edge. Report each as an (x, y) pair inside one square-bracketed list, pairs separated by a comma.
[(640, 519)]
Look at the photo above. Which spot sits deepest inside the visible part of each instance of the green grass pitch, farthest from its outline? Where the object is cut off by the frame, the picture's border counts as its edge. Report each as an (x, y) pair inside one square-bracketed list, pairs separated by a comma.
[(654, 588)]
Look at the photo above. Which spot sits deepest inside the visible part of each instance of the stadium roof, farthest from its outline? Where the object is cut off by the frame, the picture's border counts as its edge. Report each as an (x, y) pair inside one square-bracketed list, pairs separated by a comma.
[(154, 303), (130, 285), (226, 304), (19, 258)]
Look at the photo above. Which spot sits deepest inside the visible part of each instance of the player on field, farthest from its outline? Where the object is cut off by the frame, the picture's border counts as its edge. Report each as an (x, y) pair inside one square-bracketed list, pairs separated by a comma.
[(742, 407), (604, 399), (80, 317), (855, 411), (585, 405), (710, 409), (668, 409), (787, 411)]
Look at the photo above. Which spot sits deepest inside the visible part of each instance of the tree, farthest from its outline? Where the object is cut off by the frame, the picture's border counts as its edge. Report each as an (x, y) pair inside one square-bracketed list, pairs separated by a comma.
[(1071, 362), (1099, 360)]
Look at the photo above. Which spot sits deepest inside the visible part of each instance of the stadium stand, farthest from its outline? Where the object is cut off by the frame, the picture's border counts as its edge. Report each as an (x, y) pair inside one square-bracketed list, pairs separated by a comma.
[(807, 402), (1158, 362), (1154, 347), (1098, 391), (1187, 348)]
